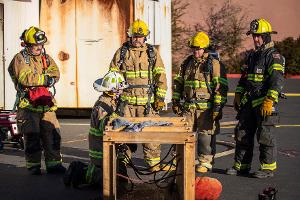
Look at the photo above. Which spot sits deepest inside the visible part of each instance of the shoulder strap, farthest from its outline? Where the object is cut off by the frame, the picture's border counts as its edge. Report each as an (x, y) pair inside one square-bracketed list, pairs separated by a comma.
[(151, 53), (106, 107), (124, 49), (25, 56)]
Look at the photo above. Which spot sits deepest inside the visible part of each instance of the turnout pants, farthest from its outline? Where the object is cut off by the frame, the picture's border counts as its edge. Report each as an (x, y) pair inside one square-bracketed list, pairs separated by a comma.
[(95, 168), (206, 129), (41, 133), (250, 123), (151, 150)]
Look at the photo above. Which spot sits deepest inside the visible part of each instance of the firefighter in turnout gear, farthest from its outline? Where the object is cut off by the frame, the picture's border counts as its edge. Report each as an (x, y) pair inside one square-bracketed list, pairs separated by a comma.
[(256, 99), (78, 173), (33, 73), (202, 84), (144, 71)]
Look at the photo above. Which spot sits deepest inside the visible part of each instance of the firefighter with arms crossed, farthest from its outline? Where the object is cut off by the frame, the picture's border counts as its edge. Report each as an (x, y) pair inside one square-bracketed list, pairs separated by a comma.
[(144, 71), (201, 83), (33, 73), (256, 97)]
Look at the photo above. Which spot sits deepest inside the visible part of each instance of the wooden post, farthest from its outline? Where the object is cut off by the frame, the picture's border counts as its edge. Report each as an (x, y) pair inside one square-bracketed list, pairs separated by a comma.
[(109, 171)]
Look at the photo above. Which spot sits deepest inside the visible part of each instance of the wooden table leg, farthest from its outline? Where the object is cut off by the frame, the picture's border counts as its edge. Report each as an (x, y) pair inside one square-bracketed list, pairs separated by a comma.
[(109, 173), (180, 169), (189, 171)]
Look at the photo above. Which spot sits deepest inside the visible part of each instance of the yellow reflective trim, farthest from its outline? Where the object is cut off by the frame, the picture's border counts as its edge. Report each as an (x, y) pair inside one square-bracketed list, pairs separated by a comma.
[(276, 66), (136, 100), (224, 81), (53, 163), (178, 78), (271, 166), (95, 132), (258, 101), (239, 166), (217, 99), (176, 96), (159, 70), (195, 84), (24, 103), (199, 106), (216, 80), (96, 154), (274, 94), (23, 75), (161, 92), (114, 69), (32, 164), (52, 68), (239, 89), (255, 77)]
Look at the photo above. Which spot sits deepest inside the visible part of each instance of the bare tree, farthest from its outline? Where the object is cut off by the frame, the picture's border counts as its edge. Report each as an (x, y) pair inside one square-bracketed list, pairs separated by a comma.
[(180, 33), (226, 26)]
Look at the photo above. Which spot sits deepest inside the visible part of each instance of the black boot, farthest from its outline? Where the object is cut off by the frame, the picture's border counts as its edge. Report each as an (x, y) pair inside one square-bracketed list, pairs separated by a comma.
[(235, 172), (57, 169), (122, 181), (75, 175), (263, 174), (35, 170)]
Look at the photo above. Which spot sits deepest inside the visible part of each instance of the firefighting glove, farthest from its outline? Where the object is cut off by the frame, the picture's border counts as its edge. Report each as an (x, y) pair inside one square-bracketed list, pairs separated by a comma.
[(159, 104), (237, 101), (49, 81), (266, 107), (176, 107)]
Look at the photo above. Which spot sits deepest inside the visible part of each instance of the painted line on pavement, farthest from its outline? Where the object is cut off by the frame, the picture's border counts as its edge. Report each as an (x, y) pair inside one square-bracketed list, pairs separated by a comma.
[(277, 126), (72, 141), (286, 94), (75, 124), (287, 125)]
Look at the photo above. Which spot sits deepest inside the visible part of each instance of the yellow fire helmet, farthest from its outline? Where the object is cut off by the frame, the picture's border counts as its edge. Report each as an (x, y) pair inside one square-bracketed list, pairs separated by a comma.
[(199, 40), (138, 29), (34, 35), (260, 26)]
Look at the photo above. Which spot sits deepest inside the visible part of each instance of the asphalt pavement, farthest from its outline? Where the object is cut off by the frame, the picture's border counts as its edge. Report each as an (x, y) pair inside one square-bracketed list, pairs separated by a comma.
[(17, 184)]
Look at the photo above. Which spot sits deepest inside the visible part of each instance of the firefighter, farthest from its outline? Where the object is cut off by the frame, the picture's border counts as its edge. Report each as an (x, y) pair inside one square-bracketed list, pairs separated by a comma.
[(201, 83), (256, 99), (33, 72), (79, 173), (144, 71)]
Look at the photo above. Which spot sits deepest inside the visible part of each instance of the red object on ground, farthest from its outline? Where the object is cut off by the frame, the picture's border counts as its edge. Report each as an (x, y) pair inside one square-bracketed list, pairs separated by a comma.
[(207, 188)]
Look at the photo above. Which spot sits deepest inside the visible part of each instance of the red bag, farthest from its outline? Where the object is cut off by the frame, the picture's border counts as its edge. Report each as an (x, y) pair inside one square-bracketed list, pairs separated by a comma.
[(40, 96)]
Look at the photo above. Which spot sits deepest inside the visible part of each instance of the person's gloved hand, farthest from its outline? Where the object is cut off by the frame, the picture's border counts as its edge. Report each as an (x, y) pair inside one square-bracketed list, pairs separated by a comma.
[(159, 105), (49, 81), (266, 107), (237, 101)]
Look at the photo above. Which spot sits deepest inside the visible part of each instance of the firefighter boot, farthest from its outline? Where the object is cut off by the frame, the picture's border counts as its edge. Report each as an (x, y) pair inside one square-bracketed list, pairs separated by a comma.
[(235, 172), (75, 175), (202, 169), (122, 179), (263, 173), (57, 169), (35, 170)]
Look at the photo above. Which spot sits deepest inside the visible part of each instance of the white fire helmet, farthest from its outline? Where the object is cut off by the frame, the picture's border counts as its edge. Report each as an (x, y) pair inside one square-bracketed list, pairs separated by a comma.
[(112, 81)]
